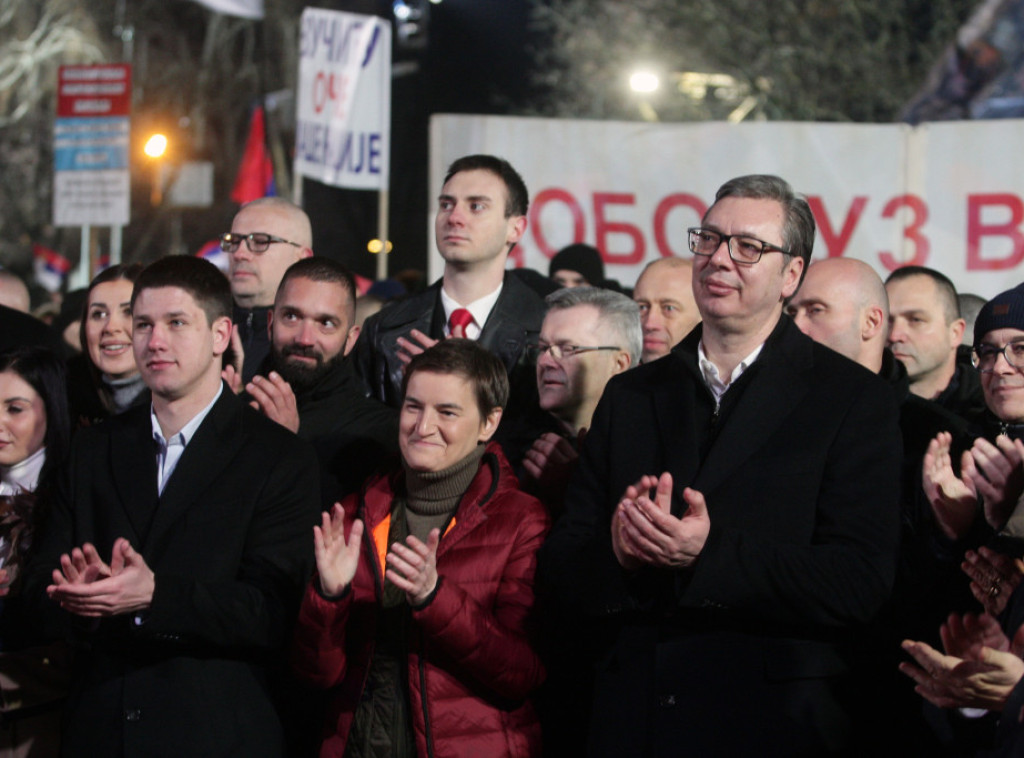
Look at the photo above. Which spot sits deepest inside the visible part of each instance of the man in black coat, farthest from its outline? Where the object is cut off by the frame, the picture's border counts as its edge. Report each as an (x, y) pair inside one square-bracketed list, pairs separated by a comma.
[(734, 516), (179, 544), (307, 383), (481, 216)]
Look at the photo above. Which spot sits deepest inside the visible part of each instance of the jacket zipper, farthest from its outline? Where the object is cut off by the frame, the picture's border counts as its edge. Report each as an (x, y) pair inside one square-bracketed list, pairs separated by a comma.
[(423, 698)]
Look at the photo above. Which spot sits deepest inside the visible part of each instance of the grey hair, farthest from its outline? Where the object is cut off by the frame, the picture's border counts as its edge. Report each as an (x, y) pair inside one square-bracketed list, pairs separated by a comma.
[(617, 312)]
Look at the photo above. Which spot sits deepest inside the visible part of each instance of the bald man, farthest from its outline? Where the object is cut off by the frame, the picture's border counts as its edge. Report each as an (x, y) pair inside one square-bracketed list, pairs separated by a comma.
[(667, 309), (267, 236), (843, 304), (13, 292)]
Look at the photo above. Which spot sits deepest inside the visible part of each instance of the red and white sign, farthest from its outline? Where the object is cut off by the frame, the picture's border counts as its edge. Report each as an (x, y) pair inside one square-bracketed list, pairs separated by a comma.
[(92, 91), (947, 195)]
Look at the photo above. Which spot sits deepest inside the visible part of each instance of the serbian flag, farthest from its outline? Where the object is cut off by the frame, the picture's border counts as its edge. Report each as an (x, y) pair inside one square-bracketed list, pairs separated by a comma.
[(50, 267), (255, 177), (212, 252)]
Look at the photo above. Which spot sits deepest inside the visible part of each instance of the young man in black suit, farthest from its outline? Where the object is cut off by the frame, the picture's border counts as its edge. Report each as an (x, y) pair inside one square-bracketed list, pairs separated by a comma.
[(179, 543), (734, 518)]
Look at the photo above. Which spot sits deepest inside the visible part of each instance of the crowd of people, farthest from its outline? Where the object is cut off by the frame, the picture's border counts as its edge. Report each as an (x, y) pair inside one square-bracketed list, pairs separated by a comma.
[(755, 506)]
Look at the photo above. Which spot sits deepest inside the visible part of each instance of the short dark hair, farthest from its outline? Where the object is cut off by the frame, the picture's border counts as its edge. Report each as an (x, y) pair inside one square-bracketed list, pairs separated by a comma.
[(797, 228), (45, 373), (321, 269), (127, 272), (943, 285), (197, 276), (465, 358), (517, 201)]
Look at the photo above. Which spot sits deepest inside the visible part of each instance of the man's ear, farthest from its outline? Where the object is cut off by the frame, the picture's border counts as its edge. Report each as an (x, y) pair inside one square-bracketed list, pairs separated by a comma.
[(516, 230), (622, 361), (957, 332), (221, 335), (791, 276), (873, 323), (270, 324), (350, 341)]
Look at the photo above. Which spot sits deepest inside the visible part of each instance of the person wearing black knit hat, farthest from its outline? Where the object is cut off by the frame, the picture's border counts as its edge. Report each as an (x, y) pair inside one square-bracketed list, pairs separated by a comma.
[(577, 265)]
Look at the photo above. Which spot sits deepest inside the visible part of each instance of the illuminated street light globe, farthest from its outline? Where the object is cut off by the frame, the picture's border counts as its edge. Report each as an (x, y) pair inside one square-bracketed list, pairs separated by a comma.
[(155, 146), (644, 81)]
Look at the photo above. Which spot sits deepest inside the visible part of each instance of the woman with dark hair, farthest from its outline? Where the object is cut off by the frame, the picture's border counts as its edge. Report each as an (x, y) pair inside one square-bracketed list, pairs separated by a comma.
[(418, 616), (34, 432), (104, 380)]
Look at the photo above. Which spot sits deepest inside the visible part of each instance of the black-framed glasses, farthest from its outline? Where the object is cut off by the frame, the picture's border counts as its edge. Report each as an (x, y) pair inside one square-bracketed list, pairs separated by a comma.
[(558, 352), (742, 248), (257, 242), (984, 356)]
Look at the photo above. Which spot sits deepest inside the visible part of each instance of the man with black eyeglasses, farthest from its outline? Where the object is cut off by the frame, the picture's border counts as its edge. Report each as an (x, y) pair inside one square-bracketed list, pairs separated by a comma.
[(991, 476), (267, 236), (733, 520)]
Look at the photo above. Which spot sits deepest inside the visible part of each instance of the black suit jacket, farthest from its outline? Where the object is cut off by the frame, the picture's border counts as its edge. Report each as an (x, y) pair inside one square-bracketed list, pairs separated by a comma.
[(513, 323), (802, 485), (229, 542)]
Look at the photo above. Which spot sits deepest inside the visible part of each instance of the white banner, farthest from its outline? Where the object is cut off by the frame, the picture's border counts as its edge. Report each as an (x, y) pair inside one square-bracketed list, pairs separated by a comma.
[(343, 135), (946, 195), (244, 8)]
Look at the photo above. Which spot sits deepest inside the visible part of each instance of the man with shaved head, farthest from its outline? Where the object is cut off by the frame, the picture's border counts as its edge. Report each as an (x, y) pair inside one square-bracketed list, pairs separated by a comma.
[(843, 304), (667, 309), (267, 236)]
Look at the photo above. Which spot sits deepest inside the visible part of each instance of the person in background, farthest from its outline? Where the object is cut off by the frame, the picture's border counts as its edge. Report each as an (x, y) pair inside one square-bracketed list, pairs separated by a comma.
[(103, 380), (668, 311), (926, 331), (417, 620), (34, 435), (267, 236), (13, 292), (577, 265)]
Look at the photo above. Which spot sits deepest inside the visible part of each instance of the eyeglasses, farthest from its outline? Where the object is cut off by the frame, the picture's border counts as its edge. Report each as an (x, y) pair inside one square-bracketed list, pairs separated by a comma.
[(257, 242), (985, 356), (558, 352), (742, 249)]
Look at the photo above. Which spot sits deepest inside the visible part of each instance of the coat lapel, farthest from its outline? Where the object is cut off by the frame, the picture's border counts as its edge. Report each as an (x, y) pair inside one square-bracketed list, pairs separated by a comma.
[(674, 402), (133, 469), (778, 389), (207, 454)]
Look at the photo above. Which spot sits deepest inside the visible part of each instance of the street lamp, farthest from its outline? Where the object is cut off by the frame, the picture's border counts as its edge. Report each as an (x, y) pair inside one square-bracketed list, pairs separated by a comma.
[(155, 148)]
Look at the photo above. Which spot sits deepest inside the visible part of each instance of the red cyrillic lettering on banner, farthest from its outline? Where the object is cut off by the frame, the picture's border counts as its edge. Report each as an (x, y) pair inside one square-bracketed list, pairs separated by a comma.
[(665, 207), (604, 228), (977, 229), (544, 197), (836, 244), (912, 231)]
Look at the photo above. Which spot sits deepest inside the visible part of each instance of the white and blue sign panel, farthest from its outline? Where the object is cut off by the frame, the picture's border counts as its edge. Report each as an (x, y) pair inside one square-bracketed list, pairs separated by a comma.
[(343, 134), (91, 143)]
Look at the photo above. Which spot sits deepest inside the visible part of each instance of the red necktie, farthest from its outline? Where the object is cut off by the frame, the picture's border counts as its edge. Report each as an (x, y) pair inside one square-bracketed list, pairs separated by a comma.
[(460, 318)]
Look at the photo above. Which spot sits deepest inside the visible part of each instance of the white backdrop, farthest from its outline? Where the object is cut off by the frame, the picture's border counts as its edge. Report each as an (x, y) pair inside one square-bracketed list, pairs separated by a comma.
[(948, 195)]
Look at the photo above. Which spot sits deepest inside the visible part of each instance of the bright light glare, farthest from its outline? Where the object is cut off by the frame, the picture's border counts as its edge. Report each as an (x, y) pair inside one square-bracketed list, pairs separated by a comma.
[(643, 81), (374, 246), (436, 2), (155, 146), (402, 11)]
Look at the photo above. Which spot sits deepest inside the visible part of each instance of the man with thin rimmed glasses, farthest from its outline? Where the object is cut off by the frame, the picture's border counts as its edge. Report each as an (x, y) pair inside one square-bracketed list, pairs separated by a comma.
[(733, 518), (267, 236)]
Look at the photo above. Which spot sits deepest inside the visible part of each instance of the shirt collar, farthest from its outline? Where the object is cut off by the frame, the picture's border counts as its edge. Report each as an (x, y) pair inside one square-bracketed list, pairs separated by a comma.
[(24, 476), (712, 377), (185, 435), (480, 309)]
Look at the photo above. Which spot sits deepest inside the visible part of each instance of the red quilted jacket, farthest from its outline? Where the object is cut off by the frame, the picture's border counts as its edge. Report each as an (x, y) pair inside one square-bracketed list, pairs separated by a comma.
[(471, 664)]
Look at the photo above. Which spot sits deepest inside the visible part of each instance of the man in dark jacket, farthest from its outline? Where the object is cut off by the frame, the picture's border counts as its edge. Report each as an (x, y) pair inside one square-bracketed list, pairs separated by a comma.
[(266, 237), (178, 544), (481, 216), (734, 515), (307, 384)]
